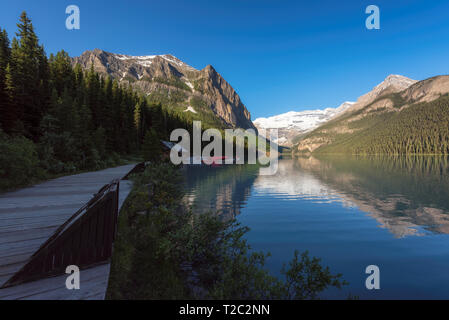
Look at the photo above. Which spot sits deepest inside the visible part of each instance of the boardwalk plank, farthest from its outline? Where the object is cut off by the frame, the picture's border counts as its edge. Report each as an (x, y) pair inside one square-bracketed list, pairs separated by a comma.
[(14, 236), (54, 288)]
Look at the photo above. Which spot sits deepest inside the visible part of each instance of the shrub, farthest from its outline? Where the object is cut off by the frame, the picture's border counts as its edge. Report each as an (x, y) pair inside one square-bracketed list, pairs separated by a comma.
[(19, 162)]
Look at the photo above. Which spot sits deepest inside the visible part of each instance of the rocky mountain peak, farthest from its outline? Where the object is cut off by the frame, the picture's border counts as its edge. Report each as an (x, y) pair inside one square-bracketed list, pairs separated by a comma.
[(164, 75), (393, 83), (397, 81), (209, 68)]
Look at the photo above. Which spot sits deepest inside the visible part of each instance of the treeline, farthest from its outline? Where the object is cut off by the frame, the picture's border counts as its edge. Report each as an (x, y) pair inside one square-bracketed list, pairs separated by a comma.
[(57, 119), (422, 128)]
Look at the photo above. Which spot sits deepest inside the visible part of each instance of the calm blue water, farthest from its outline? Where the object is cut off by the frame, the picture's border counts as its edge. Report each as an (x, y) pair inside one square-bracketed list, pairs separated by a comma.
[(392, 212)]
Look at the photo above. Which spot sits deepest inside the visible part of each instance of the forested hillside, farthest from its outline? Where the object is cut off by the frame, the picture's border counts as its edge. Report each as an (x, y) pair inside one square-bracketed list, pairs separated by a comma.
[(58, 119), (422, 128), (413, 121)]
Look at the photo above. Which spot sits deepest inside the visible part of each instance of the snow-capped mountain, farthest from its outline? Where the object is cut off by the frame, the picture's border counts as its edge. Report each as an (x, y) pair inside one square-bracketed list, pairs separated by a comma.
[(292, 124)]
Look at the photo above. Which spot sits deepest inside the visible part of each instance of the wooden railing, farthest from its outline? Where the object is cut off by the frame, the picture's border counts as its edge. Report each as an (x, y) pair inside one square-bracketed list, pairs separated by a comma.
[(84, 240), (138, 168)]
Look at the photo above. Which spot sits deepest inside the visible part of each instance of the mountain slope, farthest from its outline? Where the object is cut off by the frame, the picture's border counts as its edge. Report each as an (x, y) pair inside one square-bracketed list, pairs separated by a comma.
[(293, 124), (392, 84), (200, 94), (409, 118)]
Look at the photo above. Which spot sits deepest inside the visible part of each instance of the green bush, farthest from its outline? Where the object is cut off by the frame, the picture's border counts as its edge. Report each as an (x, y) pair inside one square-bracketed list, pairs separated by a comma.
[(93, 160), (19, 162)]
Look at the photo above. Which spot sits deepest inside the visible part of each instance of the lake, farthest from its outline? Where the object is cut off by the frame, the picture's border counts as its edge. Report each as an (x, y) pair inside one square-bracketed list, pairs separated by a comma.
[(349, 211)]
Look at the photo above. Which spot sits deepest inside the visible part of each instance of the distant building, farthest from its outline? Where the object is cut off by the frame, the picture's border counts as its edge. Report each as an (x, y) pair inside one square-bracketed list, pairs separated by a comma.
[(168, 146)]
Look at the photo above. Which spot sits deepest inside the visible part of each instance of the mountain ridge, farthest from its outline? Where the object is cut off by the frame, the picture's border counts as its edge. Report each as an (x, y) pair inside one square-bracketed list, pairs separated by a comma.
[(391, 84), (179, 85)]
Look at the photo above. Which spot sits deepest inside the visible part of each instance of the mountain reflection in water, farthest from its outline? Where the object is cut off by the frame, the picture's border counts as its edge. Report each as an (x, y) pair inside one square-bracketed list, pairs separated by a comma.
[(350, 211), (406, 195), (221, 189)]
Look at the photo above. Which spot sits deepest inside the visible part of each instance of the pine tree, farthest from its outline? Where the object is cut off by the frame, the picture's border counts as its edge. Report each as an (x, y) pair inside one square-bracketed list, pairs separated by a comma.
[(140, 118), (28, 77), (151, 148), (14, 111), (6, 114), (61, 72), (157, 119)]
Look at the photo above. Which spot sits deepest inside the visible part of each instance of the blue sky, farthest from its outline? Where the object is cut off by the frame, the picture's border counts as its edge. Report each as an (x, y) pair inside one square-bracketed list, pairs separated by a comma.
[(279, 55)]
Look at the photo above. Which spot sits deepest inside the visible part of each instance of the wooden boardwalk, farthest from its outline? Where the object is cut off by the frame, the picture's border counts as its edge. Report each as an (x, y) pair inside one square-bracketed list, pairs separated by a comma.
[(28, 217)]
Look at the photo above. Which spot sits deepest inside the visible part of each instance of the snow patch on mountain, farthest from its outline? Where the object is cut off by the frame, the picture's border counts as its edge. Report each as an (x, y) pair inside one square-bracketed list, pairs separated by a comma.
[(190, 85), (190, 108), (146, 61)]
